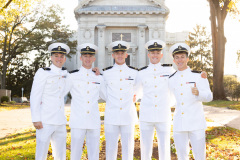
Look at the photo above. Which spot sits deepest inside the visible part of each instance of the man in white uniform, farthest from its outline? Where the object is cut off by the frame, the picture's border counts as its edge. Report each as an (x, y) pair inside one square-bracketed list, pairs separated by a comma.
[(190, 91), (47, 105), (156, 101), (85, 88), (120, 111)]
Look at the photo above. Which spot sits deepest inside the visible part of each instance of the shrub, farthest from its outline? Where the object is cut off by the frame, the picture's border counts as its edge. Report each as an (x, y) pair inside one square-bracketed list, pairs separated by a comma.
[(4, 99), (12, 102)]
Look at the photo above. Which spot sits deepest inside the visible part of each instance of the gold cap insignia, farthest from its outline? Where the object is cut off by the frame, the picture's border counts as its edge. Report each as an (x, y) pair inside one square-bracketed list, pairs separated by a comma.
[(155, 44), (119, 45), (59, 48), (179, 47), (87, 48)]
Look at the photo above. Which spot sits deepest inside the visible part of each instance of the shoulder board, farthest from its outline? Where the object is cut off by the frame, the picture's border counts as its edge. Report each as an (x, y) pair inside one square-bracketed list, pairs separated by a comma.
[(95, 72), (46, 69), (166, 65), (64, 68), (76, 70), (173, 74), (196, 71), (107, 68), (133, 68), (143, 68)]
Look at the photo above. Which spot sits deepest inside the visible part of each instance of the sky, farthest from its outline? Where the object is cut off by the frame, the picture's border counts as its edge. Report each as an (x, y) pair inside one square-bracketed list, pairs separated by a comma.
[(184, 16)]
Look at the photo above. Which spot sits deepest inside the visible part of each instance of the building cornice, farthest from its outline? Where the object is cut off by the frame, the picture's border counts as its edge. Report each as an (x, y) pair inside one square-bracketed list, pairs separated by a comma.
[(121, 10), (84, 3), (84, 8)]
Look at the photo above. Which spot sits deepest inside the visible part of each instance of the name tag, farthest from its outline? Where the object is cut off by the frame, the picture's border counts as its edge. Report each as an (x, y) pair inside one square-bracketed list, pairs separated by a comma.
[(64, 76), (128, 79), (164, 75), (95, 82), (191, 84)]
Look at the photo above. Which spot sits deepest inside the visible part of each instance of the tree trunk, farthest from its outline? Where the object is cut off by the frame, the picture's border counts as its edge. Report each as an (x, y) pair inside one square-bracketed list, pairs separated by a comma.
[(4, 67), (3, 78), (218, 48)]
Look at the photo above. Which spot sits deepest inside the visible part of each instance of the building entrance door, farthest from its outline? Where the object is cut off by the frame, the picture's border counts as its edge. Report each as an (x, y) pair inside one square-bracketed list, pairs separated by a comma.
[(127, 34), (128, 60)]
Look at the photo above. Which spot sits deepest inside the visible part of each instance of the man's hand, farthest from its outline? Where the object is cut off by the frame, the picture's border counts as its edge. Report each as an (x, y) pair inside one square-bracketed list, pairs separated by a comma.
[(134, 98), (96, 70), (204, 74), (195, 90), (38, 125)]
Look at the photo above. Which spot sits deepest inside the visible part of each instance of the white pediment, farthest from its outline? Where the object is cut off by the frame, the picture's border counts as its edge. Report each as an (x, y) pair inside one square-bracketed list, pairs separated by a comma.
[(84, 3), (121, 7)]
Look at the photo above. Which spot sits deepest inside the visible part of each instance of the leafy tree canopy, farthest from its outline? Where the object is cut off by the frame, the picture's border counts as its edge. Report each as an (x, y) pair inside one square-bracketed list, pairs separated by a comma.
[(27, 35)]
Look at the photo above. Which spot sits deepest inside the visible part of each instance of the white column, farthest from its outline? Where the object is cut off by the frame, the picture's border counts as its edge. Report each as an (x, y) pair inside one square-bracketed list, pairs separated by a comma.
[(141, 49), (79, 40), (134, 57), (101, 46)]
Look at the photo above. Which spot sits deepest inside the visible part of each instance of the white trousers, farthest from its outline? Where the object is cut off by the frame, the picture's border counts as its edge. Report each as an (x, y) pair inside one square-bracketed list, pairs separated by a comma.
[(92, 141), (57, 135), (112, 133), (197, 140), (163, 137)]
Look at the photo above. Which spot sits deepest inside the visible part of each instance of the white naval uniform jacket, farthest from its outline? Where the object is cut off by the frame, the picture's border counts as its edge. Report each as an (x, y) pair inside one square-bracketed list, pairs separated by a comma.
[(156, 97), (120, 81), (189, 114), (47, 98), (85, 88)]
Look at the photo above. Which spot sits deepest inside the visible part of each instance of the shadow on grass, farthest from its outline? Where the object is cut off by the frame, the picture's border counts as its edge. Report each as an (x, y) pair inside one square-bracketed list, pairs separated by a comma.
[(18, 137), (14, 137), (216, 132)]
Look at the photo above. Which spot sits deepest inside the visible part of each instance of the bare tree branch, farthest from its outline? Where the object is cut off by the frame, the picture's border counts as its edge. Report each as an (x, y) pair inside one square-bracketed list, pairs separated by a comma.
[(8, 3)]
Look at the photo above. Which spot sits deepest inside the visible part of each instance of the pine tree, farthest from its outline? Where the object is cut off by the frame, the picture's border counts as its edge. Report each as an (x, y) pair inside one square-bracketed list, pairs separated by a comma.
[(200, 58)]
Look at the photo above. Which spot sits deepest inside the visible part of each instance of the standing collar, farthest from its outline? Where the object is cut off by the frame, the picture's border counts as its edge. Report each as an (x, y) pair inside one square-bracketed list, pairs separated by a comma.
[(186, 70), (120, 66), (84, 70), (55, 69), (158, 65)]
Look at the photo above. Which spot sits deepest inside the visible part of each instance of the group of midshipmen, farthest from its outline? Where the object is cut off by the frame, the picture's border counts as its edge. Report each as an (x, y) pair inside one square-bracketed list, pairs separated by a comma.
[(158, 86)]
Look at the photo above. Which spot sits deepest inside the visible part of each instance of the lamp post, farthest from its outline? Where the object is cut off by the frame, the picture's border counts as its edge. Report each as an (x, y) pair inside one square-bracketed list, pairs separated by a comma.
[(22, 95)]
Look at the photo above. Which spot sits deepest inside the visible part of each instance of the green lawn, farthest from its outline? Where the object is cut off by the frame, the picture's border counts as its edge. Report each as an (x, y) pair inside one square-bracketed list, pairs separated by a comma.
[(228, 104), (222, 143)]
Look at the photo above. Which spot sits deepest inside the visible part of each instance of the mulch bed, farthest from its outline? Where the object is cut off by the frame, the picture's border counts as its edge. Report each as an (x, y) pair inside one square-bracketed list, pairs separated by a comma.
[(137, 153)]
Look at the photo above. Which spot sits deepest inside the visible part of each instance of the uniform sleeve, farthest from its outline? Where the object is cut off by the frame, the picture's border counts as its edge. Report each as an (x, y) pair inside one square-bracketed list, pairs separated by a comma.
[(205, 94), (103, 90), (68, 84), (36, 94), (138, 88)]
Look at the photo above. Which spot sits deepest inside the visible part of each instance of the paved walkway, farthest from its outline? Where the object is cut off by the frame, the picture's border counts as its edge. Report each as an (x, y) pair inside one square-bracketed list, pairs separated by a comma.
[(223, 116), (11, 121)]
